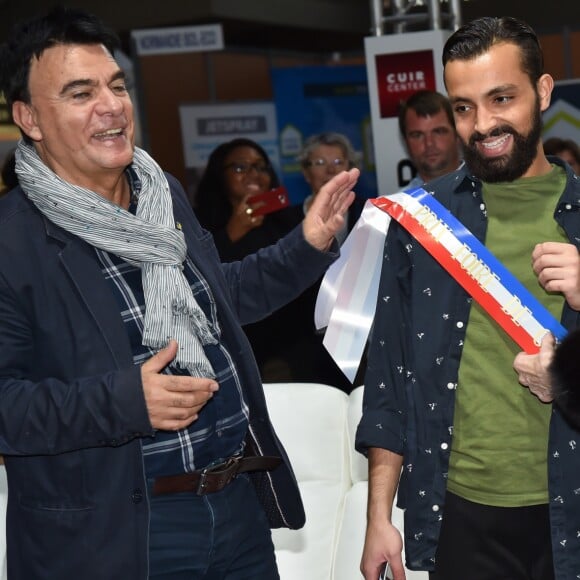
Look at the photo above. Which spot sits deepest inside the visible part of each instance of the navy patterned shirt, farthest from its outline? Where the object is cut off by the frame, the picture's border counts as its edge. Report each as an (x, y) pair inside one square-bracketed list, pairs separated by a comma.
[(413, 365)]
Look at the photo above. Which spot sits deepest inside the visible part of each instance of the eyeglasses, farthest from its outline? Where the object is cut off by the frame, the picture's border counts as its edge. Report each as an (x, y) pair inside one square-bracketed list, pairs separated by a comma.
[(245, 168), (321, 162)]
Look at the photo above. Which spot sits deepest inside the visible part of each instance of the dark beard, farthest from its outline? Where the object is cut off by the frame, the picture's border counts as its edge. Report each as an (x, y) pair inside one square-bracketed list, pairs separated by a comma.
[(507, 167)]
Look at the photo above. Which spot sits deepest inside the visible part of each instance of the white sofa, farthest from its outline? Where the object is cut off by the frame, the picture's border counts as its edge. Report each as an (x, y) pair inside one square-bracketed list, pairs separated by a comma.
[(317, 423)]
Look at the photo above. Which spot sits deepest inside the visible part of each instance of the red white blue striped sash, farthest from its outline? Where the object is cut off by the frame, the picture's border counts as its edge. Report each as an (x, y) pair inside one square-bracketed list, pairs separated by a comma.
[(347, 298)]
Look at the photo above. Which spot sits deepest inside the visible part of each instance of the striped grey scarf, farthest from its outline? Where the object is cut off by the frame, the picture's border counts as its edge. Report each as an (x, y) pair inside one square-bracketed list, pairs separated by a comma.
[(148, 240)]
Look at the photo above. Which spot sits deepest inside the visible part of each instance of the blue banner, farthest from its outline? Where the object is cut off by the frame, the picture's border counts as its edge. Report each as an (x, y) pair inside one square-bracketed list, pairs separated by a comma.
[(322, 98)]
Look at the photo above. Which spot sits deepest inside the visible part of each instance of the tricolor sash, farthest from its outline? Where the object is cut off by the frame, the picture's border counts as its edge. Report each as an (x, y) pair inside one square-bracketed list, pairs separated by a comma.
[(347, 298)]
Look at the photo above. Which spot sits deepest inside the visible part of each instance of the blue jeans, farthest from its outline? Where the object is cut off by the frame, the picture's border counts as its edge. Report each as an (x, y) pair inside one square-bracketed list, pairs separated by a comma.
[(219, 536)]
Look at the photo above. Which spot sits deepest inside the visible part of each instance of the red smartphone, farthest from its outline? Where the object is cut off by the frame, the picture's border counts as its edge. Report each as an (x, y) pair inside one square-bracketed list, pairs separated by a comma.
[(269, 201)]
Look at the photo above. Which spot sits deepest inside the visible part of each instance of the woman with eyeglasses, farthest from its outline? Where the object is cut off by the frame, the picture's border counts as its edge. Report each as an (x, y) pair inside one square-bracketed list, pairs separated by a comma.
[(322, 157), (235, 171), (285, 344)]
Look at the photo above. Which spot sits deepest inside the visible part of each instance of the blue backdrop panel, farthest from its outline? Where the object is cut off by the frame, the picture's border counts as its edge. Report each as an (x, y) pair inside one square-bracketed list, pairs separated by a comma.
[(322, 98)]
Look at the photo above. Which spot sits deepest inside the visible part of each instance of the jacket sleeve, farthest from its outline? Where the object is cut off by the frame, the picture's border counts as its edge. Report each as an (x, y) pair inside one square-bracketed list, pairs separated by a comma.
[(384, 402), (273, 276), (263, 281)]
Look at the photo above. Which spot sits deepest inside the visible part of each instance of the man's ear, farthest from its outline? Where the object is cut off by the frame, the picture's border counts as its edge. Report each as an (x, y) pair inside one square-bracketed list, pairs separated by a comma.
[(25, 118), (545, 86)]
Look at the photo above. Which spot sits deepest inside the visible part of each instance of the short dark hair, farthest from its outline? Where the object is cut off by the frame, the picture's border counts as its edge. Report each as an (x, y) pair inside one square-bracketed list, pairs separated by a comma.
[(29, 39), (211, 203), (555, 146), (477, 37), (424, 103)]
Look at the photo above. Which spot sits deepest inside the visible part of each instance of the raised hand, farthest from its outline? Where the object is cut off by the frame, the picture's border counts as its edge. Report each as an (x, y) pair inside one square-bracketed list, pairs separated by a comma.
[(242, 221), (326, 214)]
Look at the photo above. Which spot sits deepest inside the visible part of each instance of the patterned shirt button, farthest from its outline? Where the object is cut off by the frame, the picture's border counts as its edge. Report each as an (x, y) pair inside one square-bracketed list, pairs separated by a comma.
[(435, 508), (444, 446), (568, 206), (450, 386), (459, 324)]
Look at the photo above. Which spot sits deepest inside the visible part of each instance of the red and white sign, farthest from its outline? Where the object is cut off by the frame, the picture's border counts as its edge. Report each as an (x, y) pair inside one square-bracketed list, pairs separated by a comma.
[(397, 66), (399, 75)]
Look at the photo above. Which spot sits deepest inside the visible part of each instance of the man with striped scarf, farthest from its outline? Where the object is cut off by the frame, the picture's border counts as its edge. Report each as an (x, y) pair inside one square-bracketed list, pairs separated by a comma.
[(132, 418)]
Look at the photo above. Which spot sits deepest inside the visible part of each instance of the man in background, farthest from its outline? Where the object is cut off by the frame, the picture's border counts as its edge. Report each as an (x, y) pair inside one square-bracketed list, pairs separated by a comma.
[(428, 129)]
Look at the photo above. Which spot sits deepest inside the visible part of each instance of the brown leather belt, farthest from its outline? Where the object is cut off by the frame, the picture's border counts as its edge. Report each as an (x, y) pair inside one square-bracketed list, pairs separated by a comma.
[(213, 478)]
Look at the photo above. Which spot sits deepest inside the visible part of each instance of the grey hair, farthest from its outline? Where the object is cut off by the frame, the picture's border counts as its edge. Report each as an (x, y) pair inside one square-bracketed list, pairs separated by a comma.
[(328, 138)]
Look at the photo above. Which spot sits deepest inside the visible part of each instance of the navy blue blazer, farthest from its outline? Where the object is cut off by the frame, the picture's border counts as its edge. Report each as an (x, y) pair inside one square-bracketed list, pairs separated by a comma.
[(72, 410)]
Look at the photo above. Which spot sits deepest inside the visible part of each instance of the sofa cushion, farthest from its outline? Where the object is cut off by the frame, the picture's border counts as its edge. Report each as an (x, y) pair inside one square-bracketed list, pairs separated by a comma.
[(316, 423)]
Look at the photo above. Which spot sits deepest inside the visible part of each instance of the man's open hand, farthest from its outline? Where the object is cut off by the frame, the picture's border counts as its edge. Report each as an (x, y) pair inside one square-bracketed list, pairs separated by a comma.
[(173, 402)]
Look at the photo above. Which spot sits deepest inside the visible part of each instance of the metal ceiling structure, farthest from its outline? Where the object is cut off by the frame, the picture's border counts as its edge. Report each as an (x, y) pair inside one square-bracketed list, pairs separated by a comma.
[(400, 15), (305, 25)]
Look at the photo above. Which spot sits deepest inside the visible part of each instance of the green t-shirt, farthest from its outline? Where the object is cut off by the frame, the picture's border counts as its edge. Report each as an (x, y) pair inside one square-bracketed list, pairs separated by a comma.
[(500, 433)]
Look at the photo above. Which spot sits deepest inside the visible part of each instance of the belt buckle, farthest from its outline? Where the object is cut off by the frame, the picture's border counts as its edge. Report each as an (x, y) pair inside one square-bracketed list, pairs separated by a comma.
[(200, 490), (229, 462)]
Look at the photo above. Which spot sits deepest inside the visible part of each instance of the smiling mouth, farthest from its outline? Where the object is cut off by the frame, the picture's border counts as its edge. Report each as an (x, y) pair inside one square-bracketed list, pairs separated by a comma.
[(494, 146), (109, 133), (496, 143)]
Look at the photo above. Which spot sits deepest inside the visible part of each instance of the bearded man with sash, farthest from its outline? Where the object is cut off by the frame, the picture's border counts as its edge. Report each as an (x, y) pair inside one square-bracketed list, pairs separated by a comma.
[(457, 422)]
